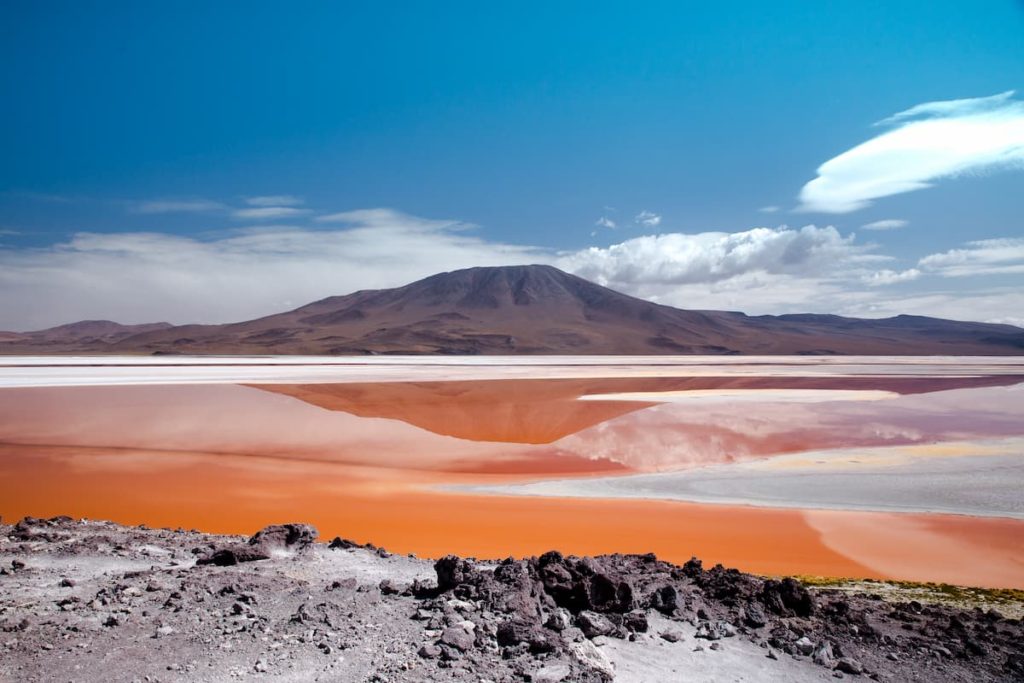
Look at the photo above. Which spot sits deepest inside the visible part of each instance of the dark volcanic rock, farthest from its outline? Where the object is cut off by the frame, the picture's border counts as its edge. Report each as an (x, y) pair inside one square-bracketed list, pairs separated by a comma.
[(279, 539), (284, 537), (547, 617), (226, 557), (787, 598), (453, 571), (593, 624), (458, 637)]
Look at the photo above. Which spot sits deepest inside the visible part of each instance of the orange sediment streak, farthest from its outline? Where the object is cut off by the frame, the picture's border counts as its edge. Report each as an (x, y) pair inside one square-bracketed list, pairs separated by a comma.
[(238, 494)]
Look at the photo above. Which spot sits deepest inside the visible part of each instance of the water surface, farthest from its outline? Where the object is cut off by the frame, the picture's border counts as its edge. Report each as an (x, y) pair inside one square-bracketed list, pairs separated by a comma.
[(433, 465)]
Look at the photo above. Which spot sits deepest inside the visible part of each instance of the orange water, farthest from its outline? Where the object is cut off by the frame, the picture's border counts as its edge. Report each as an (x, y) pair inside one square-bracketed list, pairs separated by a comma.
[(366, 461)]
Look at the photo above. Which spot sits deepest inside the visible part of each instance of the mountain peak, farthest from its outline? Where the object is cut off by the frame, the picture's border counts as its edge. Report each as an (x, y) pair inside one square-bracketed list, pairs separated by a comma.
[(497, 286), (528, 309)]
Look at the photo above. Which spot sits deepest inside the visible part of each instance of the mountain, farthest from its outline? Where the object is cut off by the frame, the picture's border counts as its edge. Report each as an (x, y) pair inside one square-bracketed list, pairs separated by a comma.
[(532, 309), (84, 333)]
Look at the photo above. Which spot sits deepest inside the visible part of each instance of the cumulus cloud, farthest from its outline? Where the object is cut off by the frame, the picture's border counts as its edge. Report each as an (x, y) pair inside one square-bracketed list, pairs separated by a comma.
[(263, 213), (677, 258), (605, 222), (274, 200), (891, 277), (647, 219), (770, 209), (886, 224), (981, 257), (925, 143), (176, 206)]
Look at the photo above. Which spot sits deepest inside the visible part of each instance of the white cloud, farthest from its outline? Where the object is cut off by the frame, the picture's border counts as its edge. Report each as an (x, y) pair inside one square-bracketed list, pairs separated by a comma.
[(605, 222), (648, 219), (676, 258), (770, 209), (891, 277), (927, 143), (981, 257), (263, 213), (176, 206), (145, 277), (387, 218), (886, 224), (275, 200)]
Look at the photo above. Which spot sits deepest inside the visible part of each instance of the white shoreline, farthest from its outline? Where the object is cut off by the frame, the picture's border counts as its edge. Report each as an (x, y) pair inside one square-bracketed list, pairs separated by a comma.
[(65, 371)]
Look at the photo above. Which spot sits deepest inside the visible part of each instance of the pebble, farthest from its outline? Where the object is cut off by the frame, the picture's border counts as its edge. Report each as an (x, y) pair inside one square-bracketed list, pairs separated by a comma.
[(671, 635), (554, 672), (458, 637), (850, 665), (429, 651)]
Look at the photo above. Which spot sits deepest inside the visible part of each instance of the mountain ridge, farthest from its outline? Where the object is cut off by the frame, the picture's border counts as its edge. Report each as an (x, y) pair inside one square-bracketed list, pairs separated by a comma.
[(526, 309)]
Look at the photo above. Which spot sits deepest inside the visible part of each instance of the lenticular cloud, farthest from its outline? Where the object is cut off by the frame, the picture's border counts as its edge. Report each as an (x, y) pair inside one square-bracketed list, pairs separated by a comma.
[(927, 142)]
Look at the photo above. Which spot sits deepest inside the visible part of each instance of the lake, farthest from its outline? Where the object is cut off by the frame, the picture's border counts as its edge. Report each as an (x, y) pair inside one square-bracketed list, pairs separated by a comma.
[(907, 468)]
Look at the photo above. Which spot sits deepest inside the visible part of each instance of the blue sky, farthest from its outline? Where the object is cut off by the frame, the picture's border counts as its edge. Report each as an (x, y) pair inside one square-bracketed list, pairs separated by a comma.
[(137, 138)]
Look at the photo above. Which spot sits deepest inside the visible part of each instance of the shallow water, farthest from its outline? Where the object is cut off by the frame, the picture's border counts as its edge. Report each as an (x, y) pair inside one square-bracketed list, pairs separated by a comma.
[(377, 460)]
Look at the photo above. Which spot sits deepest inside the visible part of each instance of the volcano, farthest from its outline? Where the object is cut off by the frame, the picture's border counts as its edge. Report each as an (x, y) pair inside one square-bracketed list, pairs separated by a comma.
[(530, 309)]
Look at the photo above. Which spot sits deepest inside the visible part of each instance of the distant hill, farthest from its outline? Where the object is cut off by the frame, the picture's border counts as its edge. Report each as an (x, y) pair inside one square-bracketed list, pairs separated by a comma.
[(532, 309), (83, 334)]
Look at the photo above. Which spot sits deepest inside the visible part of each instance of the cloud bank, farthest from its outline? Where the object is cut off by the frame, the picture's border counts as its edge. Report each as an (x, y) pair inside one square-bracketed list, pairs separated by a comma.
[(136, 277), (925, 143), (981, 257), (146, 277)]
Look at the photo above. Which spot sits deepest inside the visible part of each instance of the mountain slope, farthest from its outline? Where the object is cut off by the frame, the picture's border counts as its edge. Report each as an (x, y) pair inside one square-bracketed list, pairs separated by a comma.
[(83, 333), (541, 310)]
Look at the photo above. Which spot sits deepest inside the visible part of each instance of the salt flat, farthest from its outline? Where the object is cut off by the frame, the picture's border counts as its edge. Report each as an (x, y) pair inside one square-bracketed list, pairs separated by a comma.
[(26, 371)]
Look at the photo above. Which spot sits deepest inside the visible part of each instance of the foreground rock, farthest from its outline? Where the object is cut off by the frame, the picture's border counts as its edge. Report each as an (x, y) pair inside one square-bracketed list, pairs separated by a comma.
[(90, 601)]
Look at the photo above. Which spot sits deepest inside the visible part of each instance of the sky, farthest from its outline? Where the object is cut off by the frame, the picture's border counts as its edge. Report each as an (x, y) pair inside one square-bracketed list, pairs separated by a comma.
[(217, 161)]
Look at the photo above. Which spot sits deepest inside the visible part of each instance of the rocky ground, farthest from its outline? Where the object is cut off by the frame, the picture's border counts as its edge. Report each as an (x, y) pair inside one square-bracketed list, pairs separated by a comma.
[(89, 601)]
